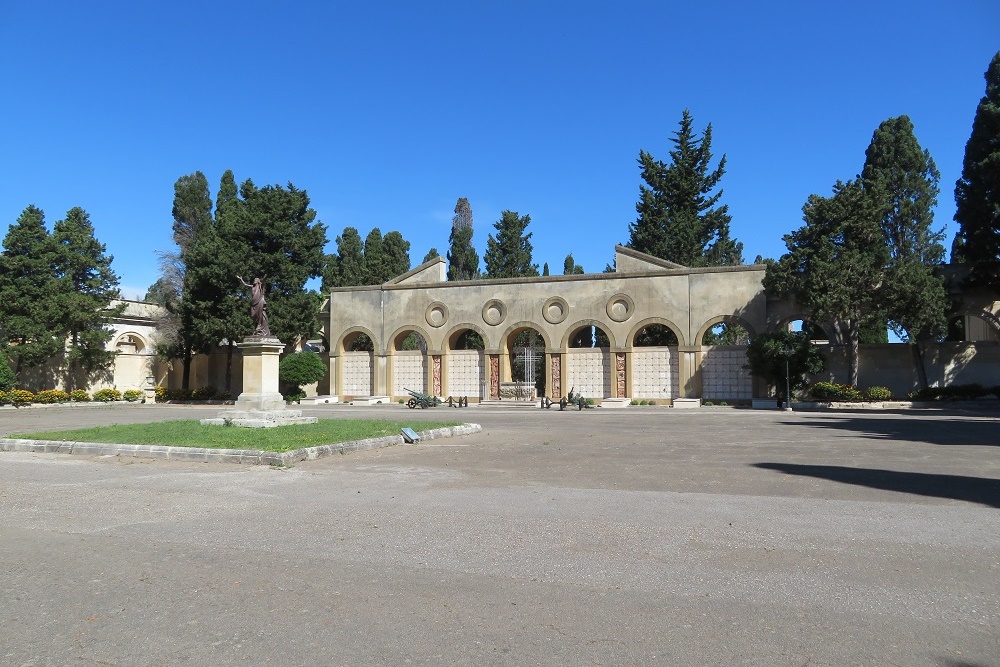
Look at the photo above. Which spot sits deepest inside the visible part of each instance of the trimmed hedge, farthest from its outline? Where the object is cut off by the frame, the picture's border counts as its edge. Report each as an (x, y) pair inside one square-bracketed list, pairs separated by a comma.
[(51, 396), (834, 391), (132, 395), (79, 396), (107, 395), (958, 392)]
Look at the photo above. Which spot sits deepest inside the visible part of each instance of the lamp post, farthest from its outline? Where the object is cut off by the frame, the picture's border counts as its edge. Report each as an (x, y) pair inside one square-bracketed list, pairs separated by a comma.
[(787, 352)]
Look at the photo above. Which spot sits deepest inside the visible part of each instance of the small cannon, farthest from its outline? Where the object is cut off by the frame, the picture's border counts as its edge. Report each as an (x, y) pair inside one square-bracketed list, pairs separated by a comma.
[(569, 399), (421, 399)]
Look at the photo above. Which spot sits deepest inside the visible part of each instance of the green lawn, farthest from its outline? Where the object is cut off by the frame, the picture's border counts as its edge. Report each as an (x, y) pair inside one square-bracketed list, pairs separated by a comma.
[(190, 433)]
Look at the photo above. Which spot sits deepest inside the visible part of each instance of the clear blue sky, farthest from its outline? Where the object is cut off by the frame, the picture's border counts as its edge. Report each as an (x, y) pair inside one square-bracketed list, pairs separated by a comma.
[(386, 113)]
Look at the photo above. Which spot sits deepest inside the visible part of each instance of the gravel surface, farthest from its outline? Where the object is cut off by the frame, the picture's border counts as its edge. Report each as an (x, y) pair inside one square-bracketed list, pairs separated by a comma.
[(642, 536)]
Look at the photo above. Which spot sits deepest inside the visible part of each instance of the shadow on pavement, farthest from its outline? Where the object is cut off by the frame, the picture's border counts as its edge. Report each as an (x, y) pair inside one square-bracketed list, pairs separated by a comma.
[(981, 490), (958, 430)]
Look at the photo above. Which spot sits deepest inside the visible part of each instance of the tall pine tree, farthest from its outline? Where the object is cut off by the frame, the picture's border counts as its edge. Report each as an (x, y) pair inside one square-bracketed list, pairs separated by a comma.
[(87, 286), (30, 330), (509, 254), (977, 192), (679, 219), (903, 181)]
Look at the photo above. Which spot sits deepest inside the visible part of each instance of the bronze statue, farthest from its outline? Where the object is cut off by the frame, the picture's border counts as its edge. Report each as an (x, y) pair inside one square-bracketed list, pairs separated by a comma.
[(258, 307)]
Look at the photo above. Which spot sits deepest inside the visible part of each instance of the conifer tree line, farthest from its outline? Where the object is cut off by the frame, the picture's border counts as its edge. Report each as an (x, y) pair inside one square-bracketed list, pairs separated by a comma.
[(56, 294)]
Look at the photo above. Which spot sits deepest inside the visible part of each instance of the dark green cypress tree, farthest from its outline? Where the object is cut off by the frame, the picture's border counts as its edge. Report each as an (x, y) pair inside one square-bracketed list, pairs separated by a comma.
[(509, 254), (977, 193), (570, 267), (463, 260), (346, 268), (87, 286), (679, 219), (376, 262), (431, 254), (30, 332), (397, 253)]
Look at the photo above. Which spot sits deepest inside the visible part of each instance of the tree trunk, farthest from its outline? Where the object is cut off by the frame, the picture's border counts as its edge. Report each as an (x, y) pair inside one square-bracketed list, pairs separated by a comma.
[(186, 381), (854, 350), (229, 367), (918, 364)]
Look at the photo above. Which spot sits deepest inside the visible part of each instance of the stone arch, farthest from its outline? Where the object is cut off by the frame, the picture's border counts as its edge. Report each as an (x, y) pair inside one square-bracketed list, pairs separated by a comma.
[(723, 319), (630, 339), (394, 339), (579, 324), (127, 338), (517, 327), (350, 333), (986, 316), (466, 326), (827, 327)]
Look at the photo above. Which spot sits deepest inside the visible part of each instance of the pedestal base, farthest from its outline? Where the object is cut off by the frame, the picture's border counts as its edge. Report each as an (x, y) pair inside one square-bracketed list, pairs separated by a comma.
[(259, 418)]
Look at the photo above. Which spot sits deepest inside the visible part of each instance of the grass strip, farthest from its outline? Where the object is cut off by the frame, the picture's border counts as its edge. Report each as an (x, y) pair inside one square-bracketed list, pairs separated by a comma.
[(190, 433)]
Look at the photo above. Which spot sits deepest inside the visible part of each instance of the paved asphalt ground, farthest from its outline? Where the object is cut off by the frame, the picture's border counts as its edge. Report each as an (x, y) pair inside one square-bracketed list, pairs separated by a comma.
[(644, 536)]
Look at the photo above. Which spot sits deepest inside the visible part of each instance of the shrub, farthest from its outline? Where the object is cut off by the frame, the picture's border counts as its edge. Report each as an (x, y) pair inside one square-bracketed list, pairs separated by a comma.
[(3, 397), (107, 395), (877, 394), (204, 394), (294, 396), (958, 392), (19, 397), (132, 395), (833, 391), (51, 396), (766, 359), (301, 368), (79, 396), (160, 392)]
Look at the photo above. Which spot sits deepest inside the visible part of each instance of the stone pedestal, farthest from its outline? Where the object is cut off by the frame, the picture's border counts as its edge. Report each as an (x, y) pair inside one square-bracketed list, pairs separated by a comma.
[(261, 404)]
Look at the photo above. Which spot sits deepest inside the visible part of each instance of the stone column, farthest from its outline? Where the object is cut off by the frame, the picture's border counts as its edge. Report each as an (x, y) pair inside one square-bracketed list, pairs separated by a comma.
[(435, 388), (689, 369), (620, 387), (555, 375), (494, 390), (260, 374)]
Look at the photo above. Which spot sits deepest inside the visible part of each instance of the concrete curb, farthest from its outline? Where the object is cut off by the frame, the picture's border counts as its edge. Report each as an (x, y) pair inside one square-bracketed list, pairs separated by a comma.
[(203, 455)]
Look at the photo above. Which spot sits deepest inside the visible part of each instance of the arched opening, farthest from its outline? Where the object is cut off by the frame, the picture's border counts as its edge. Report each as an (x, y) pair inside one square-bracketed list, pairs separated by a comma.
[(724, 375), (726, 333), (466, 339), (409, 341), (814, 331), (588, 362), (526, 350), (358, 341), (357, 364), (590, 336), (655, 363), (409, 366), (466, 364), (971, 328), (655, 335), (130, 343)]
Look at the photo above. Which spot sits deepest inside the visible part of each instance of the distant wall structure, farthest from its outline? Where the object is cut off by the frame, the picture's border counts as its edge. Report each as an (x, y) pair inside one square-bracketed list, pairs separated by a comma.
[(642, 291)]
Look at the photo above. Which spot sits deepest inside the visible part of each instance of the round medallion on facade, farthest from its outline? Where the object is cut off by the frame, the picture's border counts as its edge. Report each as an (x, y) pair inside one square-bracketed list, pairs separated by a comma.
[(494, 312), (620, 307), (437, 314), (555, 310)]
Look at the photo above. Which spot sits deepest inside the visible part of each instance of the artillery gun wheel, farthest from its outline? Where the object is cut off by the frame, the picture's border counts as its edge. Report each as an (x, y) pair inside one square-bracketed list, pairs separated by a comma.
[(412, 403)]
